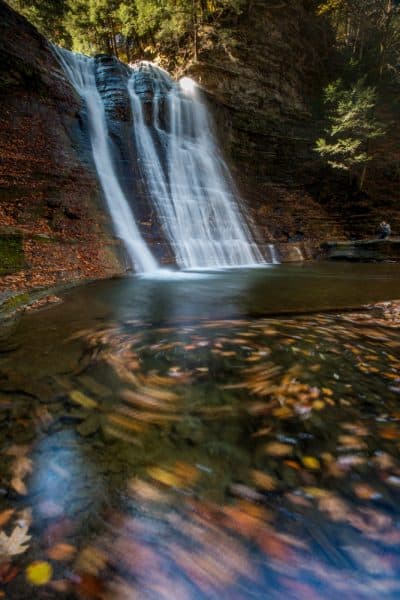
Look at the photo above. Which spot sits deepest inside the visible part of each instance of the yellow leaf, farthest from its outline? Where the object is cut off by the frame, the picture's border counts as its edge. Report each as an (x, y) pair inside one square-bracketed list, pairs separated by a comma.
[(165, 477), (82, 399), (39, 573), (316, 492), (318, 405), (310, 462), (327, 391)]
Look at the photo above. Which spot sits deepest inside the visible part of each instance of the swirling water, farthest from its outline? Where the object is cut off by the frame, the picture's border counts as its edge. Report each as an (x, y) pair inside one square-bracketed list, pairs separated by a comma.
[(178, 439)]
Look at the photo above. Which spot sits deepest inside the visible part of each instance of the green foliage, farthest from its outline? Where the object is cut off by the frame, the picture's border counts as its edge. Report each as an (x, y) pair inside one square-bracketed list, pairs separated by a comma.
[(14, 302), (11, 253), (125, 27), (352, 125), (47, 15)]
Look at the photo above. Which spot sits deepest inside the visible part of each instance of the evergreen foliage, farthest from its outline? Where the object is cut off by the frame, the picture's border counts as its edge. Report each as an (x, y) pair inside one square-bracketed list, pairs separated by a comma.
[(125, 27), (48, 16)]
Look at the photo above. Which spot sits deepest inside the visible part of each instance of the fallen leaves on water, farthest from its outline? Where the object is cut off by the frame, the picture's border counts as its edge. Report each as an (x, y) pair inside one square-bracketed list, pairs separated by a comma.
[(5, 516), (61, 552), (7, 573), (82, 399), (14, 544), (310, 462), (90, 587), (20, 468), (180, 475), (263, 480), (91, 560), (278, 449), (39, 573), (273, 546), (365, 492)]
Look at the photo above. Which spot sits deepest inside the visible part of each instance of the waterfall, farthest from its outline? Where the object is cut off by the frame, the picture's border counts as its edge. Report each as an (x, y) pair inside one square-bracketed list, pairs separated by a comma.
[(81, 72), (184, 175), (273, 254)]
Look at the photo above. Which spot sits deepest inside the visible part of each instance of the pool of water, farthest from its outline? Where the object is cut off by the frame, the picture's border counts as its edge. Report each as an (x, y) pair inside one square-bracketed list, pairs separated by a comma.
[(204, 435)]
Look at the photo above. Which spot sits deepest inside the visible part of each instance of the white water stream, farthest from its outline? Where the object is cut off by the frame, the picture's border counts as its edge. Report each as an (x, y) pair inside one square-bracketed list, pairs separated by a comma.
[(81, 72), (185, 175)]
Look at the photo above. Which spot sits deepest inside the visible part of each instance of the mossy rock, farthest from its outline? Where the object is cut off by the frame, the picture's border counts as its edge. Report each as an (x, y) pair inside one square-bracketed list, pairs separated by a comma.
[(11, 253), (15, 302)]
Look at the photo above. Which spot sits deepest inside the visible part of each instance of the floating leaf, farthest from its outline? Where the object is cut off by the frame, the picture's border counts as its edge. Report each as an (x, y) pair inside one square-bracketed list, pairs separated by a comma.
[(164, 476), (311, 463), (366, 492), (318, 405), (278, 449), (263, 481), (80, 398), (5, 516), (62, 552), (39, 573), (14, 544)]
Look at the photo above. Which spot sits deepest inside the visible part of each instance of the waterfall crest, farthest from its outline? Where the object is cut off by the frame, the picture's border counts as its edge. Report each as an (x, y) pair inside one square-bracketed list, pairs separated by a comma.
[(180, 166)]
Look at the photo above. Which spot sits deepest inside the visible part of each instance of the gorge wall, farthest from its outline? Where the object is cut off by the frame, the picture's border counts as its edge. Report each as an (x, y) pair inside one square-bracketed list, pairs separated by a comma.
[(266, 86), (53, 226)]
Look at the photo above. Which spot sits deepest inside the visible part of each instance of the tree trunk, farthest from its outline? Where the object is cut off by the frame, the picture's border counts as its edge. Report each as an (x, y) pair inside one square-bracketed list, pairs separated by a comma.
[(113, 38), (363, 175), (195, 31)]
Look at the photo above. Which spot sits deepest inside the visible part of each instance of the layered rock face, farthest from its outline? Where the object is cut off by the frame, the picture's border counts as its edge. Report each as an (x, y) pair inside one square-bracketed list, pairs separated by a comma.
[(266, 88), (53, 227), (263, 90)]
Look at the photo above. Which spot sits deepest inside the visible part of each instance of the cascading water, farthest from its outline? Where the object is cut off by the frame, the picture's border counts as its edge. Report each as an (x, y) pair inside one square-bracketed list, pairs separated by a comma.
[(187, 177), (81, 72), (184, 174), (273, 254)]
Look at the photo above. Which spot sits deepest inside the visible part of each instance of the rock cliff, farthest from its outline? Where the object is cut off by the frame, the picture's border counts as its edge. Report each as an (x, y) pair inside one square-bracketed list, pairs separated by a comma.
[(265, 85), (53, 227)]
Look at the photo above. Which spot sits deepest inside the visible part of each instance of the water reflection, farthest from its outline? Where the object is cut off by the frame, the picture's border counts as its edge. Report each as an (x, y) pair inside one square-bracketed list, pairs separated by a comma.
[(148, 453)]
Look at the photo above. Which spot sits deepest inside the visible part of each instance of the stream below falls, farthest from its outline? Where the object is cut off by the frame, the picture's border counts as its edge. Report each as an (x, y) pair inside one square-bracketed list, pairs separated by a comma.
[(226, 435)]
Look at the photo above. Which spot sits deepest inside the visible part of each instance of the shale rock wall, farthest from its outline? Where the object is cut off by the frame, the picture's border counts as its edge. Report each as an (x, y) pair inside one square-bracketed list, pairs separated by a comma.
[(53, 226), (266, 88)]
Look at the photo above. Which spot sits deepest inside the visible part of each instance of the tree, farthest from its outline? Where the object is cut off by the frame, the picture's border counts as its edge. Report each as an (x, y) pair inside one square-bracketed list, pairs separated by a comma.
[(369, 30), (352, 125), (47, 15), (120, 27)]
